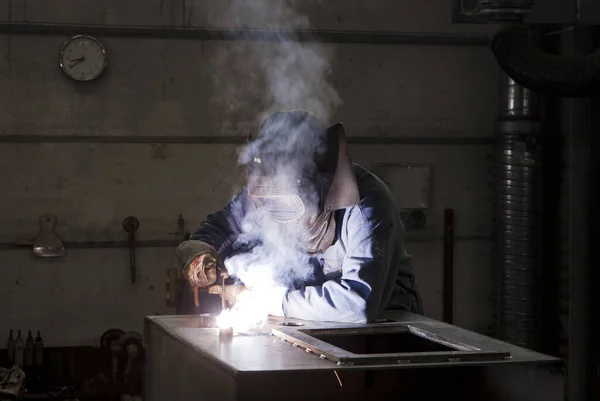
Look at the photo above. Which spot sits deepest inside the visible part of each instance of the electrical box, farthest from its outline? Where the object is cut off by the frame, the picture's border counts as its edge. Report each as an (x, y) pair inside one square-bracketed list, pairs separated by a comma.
[(554, 12), (409, 182)]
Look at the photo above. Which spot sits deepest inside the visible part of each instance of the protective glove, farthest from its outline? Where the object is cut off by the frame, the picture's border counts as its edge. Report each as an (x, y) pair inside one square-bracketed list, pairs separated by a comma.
[(199, 262)]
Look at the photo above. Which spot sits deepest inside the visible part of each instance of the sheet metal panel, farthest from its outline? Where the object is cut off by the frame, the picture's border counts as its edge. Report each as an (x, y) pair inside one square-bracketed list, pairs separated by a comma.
[(187, 362)]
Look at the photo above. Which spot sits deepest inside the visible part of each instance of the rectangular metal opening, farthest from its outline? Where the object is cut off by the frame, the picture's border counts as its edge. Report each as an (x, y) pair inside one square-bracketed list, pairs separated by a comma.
[(381, 343), (384, 344)]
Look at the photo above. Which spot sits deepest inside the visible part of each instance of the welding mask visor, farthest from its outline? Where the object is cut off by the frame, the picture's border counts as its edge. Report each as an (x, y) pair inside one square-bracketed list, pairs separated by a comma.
[(322, 182), (282, 203), (281, 208)]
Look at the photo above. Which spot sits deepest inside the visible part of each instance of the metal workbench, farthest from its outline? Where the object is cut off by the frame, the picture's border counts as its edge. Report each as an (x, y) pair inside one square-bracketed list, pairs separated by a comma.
[(325, 361)]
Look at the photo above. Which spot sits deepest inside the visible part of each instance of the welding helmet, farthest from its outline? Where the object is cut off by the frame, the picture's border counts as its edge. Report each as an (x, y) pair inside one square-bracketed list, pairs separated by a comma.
[(300, 173)]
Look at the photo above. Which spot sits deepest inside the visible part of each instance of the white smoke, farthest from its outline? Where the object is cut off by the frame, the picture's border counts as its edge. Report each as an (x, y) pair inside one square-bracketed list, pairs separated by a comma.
[(270, 268), (267, 77), (276, 261)]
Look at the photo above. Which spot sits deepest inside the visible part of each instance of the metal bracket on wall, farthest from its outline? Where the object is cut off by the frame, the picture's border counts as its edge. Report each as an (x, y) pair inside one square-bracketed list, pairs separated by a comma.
[(181, 232)]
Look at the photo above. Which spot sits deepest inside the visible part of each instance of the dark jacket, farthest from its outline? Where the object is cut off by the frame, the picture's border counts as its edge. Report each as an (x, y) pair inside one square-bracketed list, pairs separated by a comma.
[(365, 271)]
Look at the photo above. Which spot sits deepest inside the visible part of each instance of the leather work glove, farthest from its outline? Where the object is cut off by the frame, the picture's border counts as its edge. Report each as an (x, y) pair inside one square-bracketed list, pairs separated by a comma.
[(199, 262), (202, 272), (232, 292)]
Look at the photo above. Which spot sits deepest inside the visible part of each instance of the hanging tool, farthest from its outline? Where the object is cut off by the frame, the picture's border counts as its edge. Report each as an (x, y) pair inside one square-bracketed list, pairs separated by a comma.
[(131, 225), (48, 244)]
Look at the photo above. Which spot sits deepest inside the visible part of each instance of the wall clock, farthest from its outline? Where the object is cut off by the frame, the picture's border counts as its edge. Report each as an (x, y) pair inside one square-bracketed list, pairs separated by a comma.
[(83, 58)]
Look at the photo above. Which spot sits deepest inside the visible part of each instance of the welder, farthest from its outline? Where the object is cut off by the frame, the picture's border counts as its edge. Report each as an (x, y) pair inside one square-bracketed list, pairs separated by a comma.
[(300, 175)]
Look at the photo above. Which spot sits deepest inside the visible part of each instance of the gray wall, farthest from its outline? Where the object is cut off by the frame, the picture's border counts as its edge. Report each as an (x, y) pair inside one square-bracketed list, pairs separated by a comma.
[(165, 87)]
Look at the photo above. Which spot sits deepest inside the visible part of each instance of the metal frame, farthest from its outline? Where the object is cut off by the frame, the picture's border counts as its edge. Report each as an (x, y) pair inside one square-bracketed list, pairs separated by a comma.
[(304, 339)]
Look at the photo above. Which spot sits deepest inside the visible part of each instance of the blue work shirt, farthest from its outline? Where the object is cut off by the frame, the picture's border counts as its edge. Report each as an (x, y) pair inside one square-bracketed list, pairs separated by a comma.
[(364, 272)]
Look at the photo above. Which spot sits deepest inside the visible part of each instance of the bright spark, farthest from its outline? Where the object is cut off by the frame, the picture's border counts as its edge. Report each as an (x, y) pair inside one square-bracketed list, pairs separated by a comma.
[(249, 312)]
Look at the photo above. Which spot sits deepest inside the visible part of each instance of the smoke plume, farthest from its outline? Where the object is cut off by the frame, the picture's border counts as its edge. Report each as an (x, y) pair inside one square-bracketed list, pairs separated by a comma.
[(278, 259), (266, 77)]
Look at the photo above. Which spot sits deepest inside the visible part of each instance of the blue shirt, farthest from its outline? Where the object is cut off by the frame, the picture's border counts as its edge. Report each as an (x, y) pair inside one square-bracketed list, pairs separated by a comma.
[(365, 271)]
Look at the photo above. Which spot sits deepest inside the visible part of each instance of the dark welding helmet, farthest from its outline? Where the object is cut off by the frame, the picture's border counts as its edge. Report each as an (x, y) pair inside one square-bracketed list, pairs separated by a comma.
[(297, 169)]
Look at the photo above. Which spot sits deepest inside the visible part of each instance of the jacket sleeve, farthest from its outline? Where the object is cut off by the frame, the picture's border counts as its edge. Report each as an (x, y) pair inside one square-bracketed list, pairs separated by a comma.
[(217, 233), (357, 296)]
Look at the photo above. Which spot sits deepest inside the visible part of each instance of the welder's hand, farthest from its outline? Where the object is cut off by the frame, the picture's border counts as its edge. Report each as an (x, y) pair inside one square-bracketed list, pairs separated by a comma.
[(202, 271), (232, 292)]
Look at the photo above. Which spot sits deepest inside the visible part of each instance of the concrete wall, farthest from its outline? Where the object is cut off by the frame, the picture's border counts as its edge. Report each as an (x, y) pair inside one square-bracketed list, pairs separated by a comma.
[(165, 87)]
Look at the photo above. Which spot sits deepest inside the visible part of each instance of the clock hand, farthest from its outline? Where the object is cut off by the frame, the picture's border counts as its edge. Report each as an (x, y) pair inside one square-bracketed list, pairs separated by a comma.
[(76, 61)]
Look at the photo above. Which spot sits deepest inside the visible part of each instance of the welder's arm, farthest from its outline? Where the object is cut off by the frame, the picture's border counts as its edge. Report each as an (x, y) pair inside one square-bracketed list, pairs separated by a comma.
[(357, 296), (215, 235)]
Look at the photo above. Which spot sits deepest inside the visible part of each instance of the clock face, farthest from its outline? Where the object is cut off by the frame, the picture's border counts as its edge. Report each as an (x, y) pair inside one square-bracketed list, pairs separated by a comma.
[(83, 58)]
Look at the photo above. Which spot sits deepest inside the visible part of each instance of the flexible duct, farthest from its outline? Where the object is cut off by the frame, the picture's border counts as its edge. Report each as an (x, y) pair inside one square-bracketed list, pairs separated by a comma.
[(516, 173), (529, 66), (550, 74)]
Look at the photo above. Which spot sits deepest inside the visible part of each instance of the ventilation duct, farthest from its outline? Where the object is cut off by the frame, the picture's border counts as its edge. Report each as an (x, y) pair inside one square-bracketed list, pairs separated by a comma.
[(516, 175), (549, 74), (522, 59)]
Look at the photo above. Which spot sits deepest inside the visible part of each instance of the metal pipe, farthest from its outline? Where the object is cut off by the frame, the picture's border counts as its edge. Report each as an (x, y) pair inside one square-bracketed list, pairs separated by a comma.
[(516, 174), (100, 244), (233, 140), (276, 35), (175, 243)]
